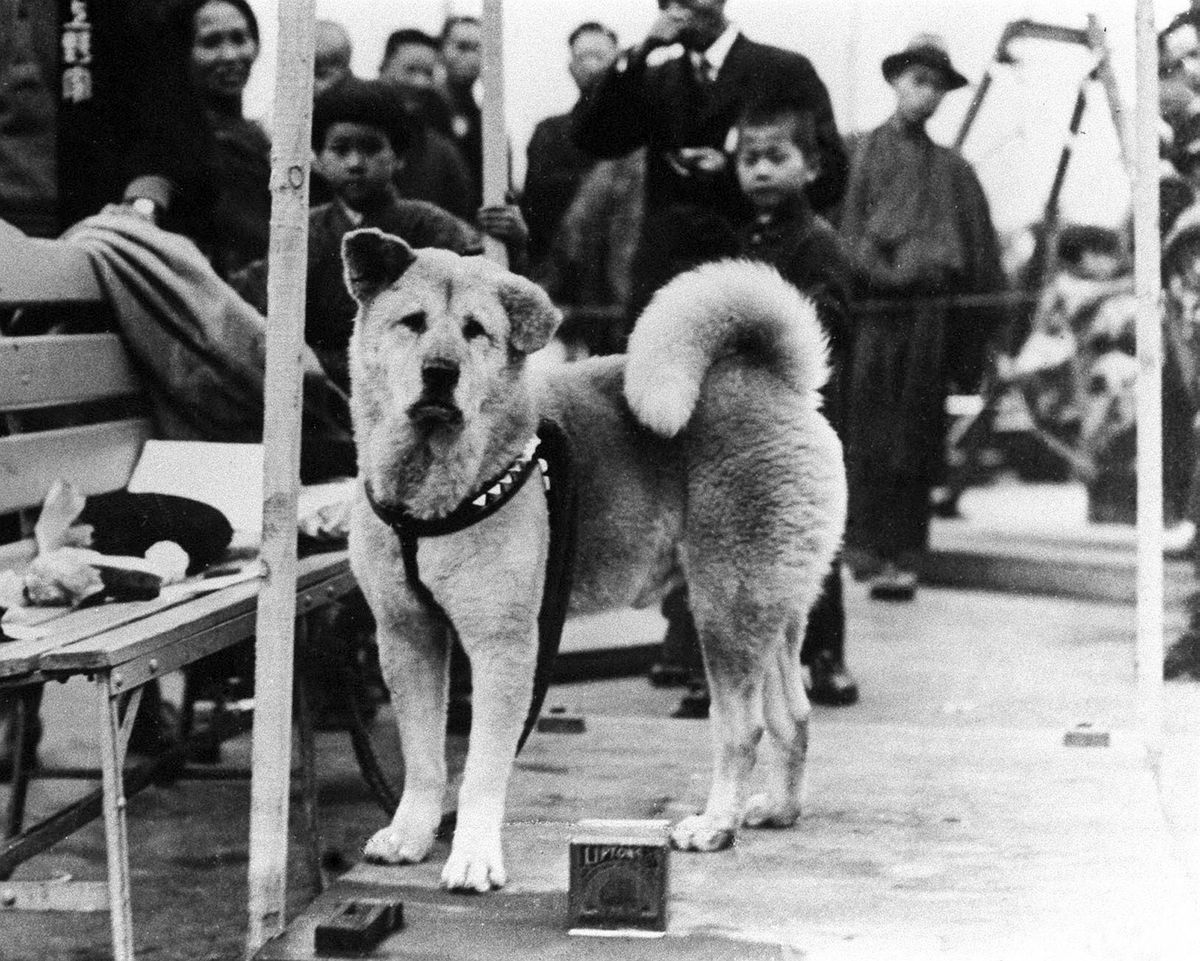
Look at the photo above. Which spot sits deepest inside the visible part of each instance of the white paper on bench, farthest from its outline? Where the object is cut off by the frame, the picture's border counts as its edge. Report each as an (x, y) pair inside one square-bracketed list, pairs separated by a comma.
[(169, 596), (227, 476)]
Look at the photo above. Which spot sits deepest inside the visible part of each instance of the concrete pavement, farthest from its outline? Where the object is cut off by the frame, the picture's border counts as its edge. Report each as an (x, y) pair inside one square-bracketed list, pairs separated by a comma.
[(945, 818)]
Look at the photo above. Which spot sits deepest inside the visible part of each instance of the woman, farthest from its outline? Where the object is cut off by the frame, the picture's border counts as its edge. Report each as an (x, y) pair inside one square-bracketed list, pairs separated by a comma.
[(223, 43)]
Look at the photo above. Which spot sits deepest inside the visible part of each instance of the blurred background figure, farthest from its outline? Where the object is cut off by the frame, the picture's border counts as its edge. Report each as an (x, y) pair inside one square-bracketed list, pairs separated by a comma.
[(556, 166), (432, 168), (96, 108), (920, 231), (678, 94), (331, 55), (462, 61), (222, 40)]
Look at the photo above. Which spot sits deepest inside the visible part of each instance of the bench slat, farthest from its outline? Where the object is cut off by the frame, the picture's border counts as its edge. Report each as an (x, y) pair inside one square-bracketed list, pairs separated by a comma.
[(30, 463), (36, 271), (21, 657), (55, 370), (164, 650), (179, 622)]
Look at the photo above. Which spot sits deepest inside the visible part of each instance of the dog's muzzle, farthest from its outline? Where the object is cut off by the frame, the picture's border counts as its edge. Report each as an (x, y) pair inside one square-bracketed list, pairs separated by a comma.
[(436, 404)]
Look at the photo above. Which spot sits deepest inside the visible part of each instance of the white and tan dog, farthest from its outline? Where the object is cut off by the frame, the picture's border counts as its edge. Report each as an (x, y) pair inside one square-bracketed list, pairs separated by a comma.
[(702, 456)]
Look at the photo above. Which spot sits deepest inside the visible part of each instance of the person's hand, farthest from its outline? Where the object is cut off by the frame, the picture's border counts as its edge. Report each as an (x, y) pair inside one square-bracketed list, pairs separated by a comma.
[(666, 28), (505, 223), (688, 161)]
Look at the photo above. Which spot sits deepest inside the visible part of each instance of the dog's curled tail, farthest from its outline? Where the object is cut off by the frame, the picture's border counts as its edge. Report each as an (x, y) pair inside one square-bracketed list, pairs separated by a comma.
[(730, 307)]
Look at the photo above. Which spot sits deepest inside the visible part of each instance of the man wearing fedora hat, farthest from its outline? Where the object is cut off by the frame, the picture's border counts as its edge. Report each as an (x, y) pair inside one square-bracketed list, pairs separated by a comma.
[(920, 233)]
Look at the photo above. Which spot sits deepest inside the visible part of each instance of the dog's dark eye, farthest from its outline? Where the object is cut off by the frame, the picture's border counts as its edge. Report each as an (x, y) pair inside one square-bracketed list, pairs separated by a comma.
[(414, 321), (473, 328)]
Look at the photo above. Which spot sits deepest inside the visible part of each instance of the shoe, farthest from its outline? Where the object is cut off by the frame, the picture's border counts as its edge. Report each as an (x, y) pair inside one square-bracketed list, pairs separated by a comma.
[(1182, 659), (946, 508), (862, 563), (695, 703), (830, 683), (894, 584)]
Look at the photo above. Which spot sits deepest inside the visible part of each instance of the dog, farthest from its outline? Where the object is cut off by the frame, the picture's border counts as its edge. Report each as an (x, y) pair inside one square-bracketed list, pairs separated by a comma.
[(702, 456)]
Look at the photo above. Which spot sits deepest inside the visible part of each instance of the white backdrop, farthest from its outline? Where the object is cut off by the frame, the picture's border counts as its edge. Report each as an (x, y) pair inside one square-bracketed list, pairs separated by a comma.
[(1017, 139)]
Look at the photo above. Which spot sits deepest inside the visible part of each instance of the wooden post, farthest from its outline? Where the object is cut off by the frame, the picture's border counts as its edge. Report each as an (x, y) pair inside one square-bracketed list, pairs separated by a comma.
[(1149, 409), (495, 140), (288, 265)]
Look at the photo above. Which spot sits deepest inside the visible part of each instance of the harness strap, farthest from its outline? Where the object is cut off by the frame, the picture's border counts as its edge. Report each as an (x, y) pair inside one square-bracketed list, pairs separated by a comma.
[(554, 457)]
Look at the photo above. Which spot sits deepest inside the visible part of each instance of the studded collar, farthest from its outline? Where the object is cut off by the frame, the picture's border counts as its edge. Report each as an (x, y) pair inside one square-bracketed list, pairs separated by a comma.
[(483, 503)]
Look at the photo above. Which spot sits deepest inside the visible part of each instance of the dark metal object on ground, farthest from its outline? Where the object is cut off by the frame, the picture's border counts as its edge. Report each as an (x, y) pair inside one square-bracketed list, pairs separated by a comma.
[(558, 720), (356, 927), (1084, 735)]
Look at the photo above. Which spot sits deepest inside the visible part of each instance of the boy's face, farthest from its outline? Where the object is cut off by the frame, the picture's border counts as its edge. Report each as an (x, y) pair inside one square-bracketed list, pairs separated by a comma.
[(412, 66), (919, 92), (359, 162), (770, 167)]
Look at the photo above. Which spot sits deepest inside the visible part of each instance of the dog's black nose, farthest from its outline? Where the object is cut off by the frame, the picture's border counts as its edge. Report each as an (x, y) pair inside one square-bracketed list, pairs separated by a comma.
[(439, 376)]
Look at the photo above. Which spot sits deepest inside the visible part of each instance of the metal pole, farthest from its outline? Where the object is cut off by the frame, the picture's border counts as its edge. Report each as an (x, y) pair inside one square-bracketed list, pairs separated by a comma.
[(288, 265), (1149, 411), (495, 140)]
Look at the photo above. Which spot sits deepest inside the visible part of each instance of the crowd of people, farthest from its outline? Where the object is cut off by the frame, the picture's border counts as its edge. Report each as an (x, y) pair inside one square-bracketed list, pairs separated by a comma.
[(690, 144)]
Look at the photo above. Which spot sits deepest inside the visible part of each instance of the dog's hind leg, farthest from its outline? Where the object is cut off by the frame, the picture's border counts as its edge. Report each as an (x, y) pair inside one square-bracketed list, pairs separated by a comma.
[(785, 711), (734, 642), (414, 656)]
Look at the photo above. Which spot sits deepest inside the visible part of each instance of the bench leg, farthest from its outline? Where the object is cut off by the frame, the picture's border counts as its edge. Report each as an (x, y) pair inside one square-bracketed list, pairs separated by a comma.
[(25, 707), (114, 735), (310, 810)]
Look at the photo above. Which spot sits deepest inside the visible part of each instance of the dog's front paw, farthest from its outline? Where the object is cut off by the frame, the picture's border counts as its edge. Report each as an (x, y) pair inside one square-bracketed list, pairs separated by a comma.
[(703, 832), (393, 846), (474, 865), (764, 811)]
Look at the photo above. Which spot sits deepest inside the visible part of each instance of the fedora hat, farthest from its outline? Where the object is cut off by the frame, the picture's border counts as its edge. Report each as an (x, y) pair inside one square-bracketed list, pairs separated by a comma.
[(930, 50)]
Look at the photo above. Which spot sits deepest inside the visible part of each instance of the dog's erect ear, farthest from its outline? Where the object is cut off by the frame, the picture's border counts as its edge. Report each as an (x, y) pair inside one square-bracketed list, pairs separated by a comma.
[(373, 260), (532, 318)]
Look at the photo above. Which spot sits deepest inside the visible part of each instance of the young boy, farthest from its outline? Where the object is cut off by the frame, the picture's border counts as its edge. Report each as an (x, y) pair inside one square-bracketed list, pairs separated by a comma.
[(359, 132), (918, 227), (777, 158)]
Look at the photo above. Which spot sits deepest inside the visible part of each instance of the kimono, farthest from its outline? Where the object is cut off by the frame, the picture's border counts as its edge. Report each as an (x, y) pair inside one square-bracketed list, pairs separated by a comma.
[(919, 230)]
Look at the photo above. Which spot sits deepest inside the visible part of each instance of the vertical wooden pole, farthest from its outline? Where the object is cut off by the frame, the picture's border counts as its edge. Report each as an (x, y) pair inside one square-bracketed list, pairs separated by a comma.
[(495, 140), (1149, 410), (288, 264)]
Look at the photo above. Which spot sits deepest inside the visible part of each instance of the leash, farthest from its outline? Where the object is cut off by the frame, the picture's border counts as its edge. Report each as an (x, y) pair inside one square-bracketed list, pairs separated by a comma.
[(550, 451)]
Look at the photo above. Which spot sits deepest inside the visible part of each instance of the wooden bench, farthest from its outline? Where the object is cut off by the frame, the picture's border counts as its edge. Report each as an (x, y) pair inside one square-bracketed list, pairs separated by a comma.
[(118, 647)]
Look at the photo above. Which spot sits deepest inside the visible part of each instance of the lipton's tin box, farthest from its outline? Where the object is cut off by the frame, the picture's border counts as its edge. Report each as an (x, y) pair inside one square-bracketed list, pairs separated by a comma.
[(619, 879)]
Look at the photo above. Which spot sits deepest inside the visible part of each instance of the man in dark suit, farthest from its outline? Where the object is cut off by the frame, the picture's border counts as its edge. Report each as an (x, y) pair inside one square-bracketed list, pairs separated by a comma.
[(682, 103)]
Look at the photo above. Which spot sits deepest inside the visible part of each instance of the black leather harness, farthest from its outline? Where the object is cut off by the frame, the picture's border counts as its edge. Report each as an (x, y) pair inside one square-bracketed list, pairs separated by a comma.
[(550, 451)]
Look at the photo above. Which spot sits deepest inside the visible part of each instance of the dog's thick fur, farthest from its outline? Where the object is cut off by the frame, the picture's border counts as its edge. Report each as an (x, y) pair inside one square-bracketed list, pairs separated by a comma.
[(702, 455)]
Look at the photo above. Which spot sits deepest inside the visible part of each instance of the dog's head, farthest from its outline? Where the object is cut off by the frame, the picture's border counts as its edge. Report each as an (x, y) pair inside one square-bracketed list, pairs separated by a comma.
[(436, 367), (445, 334)]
